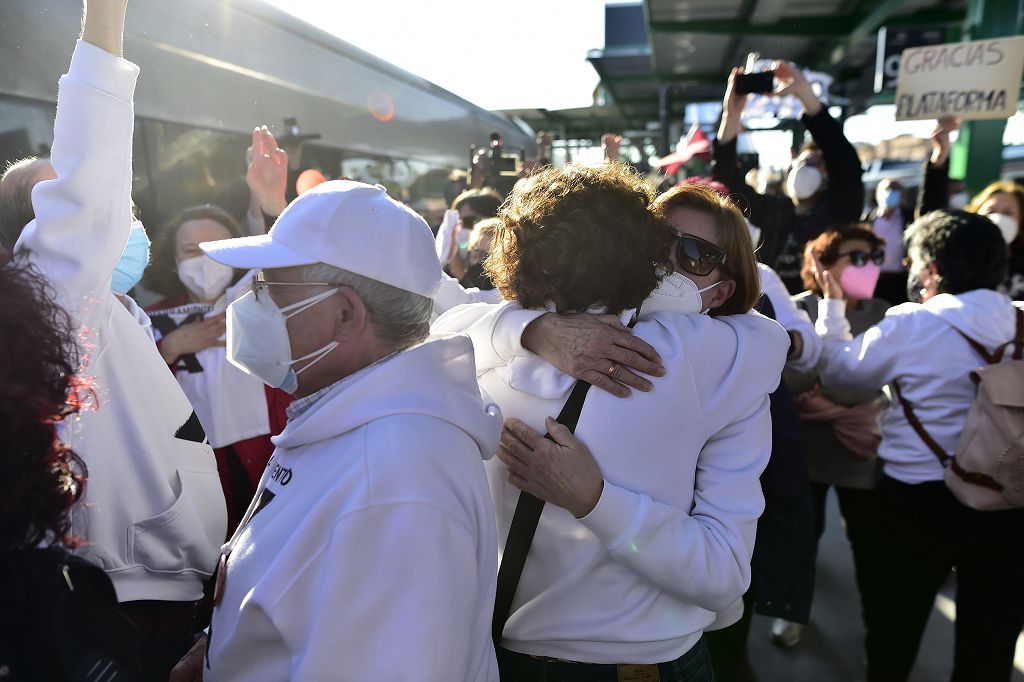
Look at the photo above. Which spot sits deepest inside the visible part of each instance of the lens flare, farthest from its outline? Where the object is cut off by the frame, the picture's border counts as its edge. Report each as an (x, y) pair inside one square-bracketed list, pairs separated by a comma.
[(381, 106)]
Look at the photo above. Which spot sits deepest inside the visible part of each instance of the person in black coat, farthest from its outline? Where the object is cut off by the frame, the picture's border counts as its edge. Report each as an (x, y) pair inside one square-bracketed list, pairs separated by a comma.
[(824, 181)]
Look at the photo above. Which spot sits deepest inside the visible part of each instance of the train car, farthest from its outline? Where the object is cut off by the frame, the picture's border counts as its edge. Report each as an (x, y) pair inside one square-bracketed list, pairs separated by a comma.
[(212, 70)]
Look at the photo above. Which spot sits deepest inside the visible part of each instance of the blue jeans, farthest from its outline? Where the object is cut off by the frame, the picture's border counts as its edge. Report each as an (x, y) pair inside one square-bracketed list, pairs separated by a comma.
[(693, 666)]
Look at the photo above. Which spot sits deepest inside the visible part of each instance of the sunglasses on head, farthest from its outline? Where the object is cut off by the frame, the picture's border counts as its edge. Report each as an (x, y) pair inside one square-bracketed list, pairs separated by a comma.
[(469, 221), (697, 256), (860, 258)]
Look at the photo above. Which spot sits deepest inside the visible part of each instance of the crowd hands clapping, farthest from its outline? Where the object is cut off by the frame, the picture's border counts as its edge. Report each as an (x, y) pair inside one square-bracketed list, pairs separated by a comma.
[(274, 472)]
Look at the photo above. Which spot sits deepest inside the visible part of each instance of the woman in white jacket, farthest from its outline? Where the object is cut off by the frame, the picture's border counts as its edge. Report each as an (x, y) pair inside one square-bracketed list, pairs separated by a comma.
[(957, 260), (645, 539)]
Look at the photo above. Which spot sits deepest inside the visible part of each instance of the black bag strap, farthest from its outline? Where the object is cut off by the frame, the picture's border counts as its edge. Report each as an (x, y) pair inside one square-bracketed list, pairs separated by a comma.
[(524, 525)]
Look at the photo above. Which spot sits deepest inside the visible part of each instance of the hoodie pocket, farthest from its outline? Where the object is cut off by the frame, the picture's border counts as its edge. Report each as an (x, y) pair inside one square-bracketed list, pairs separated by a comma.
[(186, 536)]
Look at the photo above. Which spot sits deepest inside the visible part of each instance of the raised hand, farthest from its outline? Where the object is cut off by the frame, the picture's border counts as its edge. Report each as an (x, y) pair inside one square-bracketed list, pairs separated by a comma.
[(732, 109), (940, 138), (267, 172), (611, 143), (792, 81), (103, 24), (826, 282)]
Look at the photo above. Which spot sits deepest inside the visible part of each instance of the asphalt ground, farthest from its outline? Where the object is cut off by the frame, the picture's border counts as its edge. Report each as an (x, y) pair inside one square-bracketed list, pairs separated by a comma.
[(832, 647)]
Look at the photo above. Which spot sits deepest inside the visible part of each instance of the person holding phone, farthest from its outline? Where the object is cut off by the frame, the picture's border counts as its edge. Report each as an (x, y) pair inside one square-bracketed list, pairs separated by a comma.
[(823, 184)]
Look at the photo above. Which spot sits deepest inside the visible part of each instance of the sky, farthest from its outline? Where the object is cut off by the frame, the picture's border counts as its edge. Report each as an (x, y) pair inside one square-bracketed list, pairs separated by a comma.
[(513, 54), (521, 54)]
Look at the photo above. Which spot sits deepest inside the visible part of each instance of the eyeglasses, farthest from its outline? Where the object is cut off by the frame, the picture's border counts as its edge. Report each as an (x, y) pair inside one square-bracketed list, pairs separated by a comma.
[(259, 284), (697, 256), (860, 258)]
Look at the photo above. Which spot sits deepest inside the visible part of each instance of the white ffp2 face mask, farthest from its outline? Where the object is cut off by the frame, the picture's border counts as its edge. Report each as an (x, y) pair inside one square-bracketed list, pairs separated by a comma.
[(804, 182), (677, 293), (1007, 224), (258, 342), (204, 277)]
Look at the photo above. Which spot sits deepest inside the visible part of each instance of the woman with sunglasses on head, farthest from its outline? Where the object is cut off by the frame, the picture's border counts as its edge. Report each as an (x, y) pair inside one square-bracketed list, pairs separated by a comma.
[(925, 351), (652, 505), (841, 424)]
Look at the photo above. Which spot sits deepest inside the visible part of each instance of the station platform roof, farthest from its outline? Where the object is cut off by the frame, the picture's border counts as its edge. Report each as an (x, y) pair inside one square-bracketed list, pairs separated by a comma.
[(686, 48)]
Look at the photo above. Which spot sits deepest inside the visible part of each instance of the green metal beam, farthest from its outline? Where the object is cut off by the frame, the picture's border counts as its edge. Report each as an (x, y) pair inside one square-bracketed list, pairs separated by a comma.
[(977, 156), (650, 34), (811, 27), (747, 9), (880, 11)]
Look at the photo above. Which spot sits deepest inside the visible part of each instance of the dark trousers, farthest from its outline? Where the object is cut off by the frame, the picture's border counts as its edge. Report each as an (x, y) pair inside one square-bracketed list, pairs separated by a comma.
[(728, 646), (693, 666), (925, 532), (859, 509)]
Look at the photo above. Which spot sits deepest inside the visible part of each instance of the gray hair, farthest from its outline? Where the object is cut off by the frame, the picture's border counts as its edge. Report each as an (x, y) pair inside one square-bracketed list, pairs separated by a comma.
[(401, 318)]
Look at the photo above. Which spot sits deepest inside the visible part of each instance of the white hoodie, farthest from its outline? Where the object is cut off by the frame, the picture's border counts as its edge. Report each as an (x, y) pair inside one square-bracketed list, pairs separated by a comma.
[(669, 543), (153, 513), (375, 557), (918, 347)]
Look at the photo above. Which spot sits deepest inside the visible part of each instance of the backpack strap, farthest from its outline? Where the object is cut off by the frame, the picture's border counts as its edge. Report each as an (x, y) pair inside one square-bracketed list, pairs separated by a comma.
[(983, 480), (996, 356), (915, 423)]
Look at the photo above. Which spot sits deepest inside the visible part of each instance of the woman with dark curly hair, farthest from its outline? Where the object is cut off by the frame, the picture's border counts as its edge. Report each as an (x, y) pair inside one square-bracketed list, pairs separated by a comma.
[(652, 505), (58, 611)]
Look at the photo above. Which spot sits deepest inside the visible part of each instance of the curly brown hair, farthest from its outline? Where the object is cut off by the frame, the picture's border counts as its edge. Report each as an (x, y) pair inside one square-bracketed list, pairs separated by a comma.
[(579, 237), (827, 246), (38, 365)]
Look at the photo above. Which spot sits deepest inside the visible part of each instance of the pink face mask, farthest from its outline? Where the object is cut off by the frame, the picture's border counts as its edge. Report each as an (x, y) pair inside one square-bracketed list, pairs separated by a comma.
[(859, 281)]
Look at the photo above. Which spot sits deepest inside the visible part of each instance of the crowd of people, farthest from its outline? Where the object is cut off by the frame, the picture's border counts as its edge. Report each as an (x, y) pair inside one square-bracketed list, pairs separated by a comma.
[(580, 430)]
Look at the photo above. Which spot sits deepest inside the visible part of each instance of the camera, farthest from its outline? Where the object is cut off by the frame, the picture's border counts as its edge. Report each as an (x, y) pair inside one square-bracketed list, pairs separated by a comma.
[(500, 167), (751, 83)]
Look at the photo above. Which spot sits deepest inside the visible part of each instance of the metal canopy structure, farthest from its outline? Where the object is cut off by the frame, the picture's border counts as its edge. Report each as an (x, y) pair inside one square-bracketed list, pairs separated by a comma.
[(660, 55)]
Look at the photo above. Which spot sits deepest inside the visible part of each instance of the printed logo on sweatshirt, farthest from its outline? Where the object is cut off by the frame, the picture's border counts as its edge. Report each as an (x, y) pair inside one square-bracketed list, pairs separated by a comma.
[(281, 475)]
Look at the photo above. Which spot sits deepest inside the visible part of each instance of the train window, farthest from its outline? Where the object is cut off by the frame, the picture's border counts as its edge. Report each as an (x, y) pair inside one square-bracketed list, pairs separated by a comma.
[(26, 129), (187, 166)]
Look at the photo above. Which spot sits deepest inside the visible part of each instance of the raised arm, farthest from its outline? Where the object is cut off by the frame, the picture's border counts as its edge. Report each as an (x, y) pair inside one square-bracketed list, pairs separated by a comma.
[(83, 217), (934, 193)]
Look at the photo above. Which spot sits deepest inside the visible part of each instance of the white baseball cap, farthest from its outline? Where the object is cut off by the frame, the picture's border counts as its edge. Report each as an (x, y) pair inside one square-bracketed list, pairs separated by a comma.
[(350, 225)]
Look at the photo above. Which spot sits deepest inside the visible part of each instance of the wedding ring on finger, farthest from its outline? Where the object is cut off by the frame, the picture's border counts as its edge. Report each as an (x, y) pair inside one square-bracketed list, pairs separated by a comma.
[(611, 370)]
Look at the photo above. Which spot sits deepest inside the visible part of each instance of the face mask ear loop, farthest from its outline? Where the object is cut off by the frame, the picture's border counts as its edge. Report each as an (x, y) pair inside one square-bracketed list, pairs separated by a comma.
[(323, 353), (296, 308)]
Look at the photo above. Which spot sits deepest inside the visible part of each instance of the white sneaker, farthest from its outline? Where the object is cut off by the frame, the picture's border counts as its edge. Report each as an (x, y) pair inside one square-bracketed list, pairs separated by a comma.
[(785, 633)]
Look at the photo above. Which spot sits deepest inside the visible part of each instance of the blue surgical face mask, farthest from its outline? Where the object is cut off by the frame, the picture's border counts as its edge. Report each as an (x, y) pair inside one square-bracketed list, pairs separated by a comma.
[(891, 198), (134, 260)]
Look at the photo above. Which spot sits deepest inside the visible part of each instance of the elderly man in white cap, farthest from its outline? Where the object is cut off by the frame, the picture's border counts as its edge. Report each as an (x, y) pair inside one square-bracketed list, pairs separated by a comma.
[(369, 551)]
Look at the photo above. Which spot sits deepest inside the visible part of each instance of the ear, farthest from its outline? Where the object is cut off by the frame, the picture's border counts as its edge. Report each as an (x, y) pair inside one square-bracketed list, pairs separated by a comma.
[(721, 293), (352, 318)]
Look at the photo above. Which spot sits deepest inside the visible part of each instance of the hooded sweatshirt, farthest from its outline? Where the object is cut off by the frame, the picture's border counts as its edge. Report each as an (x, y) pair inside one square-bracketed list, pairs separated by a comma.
[(153, 513), (917, 347), (669, 543), (369, 552)]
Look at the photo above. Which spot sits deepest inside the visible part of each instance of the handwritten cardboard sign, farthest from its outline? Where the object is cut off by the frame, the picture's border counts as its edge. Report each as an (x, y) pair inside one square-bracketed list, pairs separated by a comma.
[(979, 79)]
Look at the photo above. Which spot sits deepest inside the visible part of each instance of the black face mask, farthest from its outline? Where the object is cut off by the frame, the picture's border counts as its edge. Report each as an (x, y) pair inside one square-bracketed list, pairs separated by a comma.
[(476, 277), (914, 287)]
